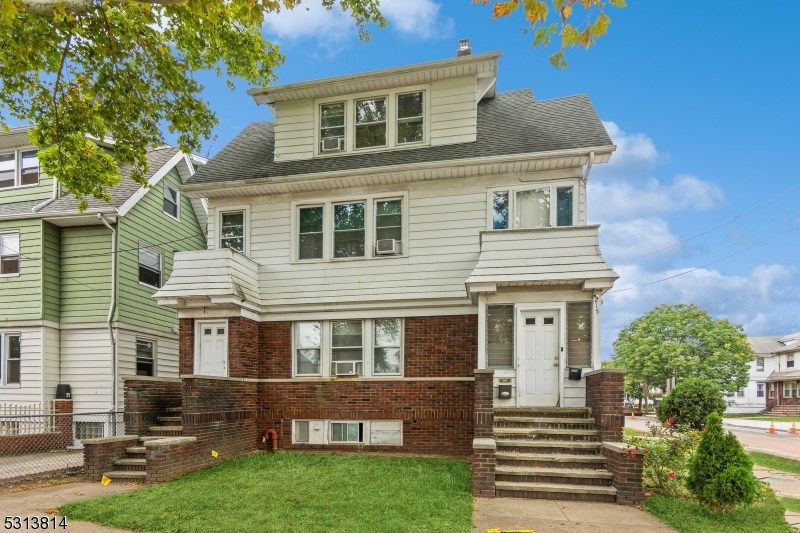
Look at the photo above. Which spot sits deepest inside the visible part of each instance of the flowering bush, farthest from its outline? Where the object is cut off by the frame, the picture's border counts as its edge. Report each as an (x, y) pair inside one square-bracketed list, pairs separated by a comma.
[(668, 450)]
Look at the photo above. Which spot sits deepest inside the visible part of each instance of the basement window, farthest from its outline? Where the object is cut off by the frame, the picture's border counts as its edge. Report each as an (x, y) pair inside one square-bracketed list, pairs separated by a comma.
[(88, 430), (347, 432)]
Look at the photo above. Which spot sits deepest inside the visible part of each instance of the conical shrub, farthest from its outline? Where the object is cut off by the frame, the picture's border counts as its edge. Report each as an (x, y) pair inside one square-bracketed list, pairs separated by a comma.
[(720, 473)]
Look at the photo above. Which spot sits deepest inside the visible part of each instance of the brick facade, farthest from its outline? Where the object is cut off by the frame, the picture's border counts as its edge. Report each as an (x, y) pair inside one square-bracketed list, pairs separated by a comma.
[(185, 346), (148, 398), (243, 353), (483, 445), (58, 439), (99, 455), (440, 346), (275, 350), (605, 395), (168, 459)]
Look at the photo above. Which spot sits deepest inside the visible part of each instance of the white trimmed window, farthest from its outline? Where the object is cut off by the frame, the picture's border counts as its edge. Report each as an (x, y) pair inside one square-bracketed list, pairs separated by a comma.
[(759, 390), (790, 361), (310, 235), (9, 254), (389, 226), (150, 266), (740, 393), (10, 358), (19, 168), (331, 127), (232, 231), (772, 390), (759, 364), (349, 230), (172, 201), (371, 123), (367, 432), (347, 432), (410, 121), (339, 348), (533, 207), (145, 357)]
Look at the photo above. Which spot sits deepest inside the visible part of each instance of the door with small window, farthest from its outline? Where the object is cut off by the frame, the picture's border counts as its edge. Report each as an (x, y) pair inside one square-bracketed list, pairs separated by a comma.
[(538, 370), (212, 358)]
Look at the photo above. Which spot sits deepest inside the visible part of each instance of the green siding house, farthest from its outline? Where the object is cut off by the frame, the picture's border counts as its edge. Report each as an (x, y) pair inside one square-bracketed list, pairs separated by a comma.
[(76, 289)]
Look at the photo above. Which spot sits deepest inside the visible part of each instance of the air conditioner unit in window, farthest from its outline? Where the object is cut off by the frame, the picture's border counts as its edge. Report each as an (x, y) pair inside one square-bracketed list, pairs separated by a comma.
[(332, 144), (387, 247), (347, 368)]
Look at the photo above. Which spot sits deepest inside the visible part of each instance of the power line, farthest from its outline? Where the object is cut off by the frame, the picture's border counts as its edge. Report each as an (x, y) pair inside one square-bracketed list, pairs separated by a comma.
[(769, 202), (68, 277), (706, 265), (102, 254)]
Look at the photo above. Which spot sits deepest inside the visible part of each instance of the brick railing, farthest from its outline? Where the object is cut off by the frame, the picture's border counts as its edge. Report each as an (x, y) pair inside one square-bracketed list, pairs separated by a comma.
[(99, 455), (625, 464), (170, 458), (605, 395), (483, 444), (146, 398)]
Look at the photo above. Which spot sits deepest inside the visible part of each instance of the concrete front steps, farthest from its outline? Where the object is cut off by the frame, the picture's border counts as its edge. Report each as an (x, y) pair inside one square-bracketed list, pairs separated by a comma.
[(133, 467), (550, 453)]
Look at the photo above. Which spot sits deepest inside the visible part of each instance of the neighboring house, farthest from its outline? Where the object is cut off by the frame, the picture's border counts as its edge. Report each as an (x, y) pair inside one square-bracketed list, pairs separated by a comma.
[(753, 397), (783, 384), (389, 233), (76, 288)]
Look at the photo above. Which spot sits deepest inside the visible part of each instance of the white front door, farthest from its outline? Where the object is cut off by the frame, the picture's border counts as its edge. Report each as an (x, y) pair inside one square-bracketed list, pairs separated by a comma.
[(213, 356), (537, 373)]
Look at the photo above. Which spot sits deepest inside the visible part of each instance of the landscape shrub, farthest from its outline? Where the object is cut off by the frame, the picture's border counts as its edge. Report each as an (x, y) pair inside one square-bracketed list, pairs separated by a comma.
[(668, 450), (690, 402), (720, 472)]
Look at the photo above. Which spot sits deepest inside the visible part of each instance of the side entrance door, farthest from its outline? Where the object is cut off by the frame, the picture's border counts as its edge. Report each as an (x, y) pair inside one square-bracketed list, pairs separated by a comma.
[(213, 356), (538, 369)]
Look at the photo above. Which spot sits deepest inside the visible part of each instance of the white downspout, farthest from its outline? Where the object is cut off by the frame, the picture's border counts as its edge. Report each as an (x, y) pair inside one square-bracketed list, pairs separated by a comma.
[(588, 167), (111, 308)]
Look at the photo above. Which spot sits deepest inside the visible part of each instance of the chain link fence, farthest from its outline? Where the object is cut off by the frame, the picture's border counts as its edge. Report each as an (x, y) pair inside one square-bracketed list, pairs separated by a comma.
[(47, 442)]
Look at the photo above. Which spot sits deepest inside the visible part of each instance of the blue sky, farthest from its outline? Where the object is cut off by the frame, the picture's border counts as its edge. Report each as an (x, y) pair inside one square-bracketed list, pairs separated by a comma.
[(703, 103)]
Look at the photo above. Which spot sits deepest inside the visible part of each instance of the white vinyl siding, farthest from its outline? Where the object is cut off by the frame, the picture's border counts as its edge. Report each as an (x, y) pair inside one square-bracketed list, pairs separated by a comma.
[(454, 111), (294, 130), (86, 367), (29, 388)]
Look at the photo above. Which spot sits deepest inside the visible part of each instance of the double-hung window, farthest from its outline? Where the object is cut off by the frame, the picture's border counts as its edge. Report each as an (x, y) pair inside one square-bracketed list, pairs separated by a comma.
[(759, 390), (410, 118), (790, 361), (348, 230), (150, 266), (11, 358), (18, 169), (171, 200), (370, 122), (232, 231), (308, 353), (790, 389), (387, 355), (331, 127), (347, 347), (388, 225), (9, 253), (145, 357), (310, 240), (541, 207), (759, 364)]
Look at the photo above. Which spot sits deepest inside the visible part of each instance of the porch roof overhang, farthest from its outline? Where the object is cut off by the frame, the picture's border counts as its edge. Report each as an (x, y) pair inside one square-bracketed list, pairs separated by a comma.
[(222, 279), (786, 375), (563, 256)]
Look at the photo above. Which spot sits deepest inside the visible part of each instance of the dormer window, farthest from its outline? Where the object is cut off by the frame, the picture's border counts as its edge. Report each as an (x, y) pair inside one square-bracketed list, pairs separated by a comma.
[(331, 131), (370, 122), (19, 169), (410, 118)]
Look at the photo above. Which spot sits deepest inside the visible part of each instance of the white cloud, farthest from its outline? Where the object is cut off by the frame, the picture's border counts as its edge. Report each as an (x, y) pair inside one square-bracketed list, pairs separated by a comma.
[(622, 200), (753, 300), (623, 242), (417, 19), (636, 155)]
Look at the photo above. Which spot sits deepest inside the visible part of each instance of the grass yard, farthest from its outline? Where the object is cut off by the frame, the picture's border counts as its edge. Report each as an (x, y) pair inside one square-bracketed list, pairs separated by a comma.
[(688, 517), (297, 491), (791, 504), (630, 432), (776, 463), (748, 416)]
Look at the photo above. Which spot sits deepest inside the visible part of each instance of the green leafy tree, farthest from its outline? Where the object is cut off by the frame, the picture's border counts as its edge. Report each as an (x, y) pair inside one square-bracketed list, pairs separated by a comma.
[(690, 402), (720, 472), (122, 69), (683, 341), (547, 19)]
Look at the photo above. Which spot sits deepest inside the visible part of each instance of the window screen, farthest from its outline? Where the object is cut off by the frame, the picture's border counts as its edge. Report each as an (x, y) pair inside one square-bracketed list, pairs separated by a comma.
[(500, 336), (579, 334)]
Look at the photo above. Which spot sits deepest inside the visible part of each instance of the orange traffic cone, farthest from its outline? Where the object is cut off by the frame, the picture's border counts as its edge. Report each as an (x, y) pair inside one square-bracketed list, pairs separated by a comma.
[(793, 430), (772, 427), (633, 415)]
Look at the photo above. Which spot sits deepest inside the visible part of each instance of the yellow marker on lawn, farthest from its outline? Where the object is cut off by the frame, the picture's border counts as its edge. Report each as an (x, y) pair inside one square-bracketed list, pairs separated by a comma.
[(214, 454), (105, 480)]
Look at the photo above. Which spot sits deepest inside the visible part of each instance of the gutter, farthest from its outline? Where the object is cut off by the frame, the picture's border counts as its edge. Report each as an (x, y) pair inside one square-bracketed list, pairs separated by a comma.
[(199, 188), (111, 309), (56, 194)]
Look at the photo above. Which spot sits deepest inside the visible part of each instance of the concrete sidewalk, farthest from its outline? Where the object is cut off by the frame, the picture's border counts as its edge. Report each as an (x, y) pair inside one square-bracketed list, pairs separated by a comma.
[(763, 425), (562, 516)]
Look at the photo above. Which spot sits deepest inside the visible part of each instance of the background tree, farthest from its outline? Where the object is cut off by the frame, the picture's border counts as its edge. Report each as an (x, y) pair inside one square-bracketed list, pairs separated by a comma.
[(123, 69), (684, 341), (546, 19)]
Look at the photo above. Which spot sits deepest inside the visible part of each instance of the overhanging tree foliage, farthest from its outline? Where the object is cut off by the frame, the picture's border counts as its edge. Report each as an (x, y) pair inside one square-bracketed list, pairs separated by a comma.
[(683, 341), (122, 69)]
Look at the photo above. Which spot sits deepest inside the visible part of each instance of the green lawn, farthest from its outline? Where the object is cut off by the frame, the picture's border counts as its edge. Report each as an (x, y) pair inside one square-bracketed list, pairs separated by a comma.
[(776, 463), (748, 416), (791, 504), (297, 491), (688, 517)]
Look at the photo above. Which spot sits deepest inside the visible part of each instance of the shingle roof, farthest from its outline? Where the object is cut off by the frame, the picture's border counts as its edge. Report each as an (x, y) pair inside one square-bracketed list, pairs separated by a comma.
[(787, 375), (511, 123), (19, 208), (765, 345), (156, 159)]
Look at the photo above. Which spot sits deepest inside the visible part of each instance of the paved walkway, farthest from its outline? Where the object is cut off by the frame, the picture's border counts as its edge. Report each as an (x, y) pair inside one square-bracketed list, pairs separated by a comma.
[(42, 502), (780, 426), (562, 516)]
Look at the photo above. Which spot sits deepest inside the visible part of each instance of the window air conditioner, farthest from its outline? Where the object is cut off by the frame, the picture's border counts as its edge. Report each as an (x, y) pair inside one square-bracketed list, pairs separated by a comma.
[(332, 144), (387, 247), (347, 368)]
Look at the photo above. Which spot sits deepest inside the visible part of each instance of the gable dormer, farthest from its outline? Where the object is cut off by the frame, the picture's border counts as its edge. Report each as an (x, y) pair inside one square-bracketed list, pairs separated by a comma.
[(429, 104)]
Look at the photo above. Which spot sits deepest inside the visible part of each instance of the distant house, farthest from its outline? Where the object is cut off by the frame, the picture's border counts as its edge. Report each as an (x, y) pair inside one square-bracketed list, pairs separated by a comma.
[(775, 355), (784, 383), (76, 288)]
